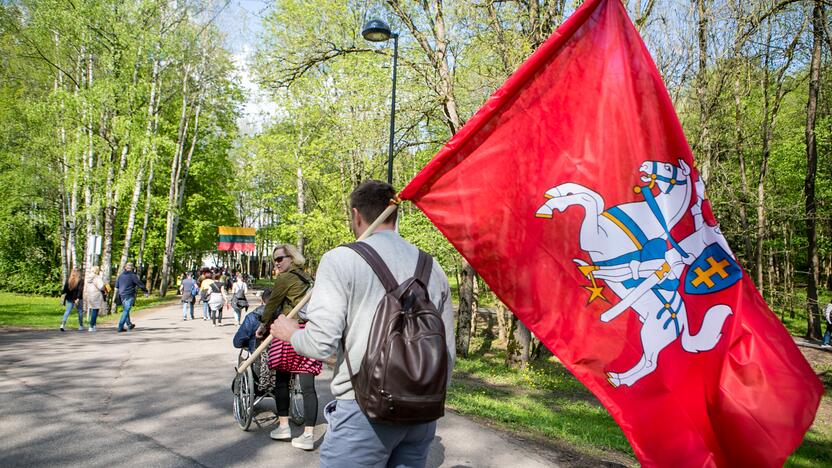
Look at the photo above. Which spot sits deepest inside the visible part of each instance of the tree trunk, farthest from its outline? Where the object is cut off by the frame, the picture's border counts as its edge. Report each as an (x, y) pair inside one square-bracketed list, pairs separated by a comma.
[(703, 146), (149, 279), (770, 112), (813, 329), (463, 322), (519, 344), (151, 130), (175, 169), (789, 268), (112, 195), (64, 169), (89, 168), (72, 245), (738, 142), (501, 322), (180, 193), (475, 309), (148, 197), (766, 151), (301, 207)]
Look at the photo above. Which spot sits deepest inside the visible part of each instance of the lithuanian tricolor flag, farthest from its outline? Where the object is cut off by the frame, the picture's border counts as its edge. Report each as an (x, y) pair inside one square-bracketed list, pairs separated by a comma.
[(236, 238)]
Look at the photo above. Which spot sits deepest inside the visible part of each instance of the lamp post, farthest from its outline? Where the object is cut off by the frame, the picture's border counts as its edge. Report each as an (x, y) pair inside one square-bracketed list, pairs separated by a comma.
[(378, 31)]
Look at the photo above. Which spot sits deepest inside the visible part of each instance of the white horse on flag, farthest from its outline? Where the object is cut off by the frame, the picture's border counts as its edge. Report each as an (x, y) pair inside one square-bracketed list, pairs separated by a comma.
[(632, 251)]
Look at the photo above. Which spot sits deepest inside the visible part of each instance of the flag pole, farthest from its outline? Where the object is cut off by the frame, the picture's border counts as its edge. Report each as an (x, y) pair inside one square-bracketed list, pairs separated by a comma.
[(378, 221)]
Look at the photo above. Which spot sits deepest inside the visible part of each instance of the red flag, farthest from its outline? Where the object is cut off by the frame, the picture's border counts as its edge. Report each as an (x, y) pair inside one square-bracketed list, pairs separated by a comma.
[(572, 193)]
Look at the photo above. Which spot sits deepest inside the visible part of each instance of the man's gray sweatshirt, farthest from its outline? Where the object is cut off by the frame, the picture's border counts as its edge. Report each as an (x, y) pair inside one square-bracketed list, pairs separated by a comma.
[(344, 300)]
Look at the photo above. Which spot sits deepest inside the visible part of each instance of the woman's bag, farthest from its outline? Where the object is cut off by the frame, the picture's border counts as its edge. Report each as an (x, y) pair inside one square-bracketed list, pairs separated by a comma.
[(283, 358), (240, 299)]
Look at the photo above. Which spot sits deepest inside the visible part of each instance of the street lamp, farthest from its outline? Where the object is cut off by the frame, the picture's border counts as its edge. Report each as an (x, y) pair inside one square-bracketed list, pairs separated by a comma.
[(378, 31)]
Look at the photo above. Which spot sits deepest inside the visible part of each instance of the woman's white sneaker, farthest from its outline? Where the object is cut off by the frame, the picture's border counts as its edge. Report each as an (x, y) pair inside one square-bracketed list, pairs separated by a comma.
[(281, 433), (305, 441)]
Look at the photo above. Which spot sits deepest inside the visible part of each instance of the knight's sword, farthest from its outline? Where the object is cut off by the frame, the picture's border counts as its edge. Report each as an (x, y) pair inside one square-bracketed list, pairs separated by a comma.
[(628, 300)]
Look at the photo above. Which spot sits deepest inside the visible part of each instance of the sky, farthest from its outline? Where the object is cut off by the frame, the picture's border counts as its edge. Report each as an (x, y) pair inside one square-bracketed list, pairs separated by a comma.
[(241, 21)]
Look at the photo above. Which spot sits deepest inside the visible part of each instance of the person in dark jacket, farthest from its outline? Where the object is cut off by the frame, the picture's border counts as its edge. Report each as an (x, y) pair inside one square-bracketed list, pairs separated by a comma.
[(245, 336), (186, 289), (126, 285), (73, 296)]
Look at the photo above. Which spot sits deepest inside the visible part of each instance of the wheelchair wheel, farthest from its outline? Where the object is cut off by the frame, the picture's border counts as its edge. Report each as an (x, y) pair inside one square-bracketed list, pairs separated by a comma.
[(295, 401), (244, 399)]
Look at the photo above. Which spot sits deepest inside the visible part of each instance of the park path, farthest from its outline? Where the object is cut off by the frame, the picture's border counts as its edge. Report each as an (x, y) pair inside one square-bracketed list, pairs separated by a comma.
[(160, 396)]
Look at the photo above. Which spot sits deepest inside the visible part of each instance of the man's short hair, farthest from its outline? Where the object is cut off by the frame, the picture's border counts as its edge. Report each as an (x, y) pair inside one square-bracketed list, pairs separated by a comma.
[(371, 198), (128, 266)]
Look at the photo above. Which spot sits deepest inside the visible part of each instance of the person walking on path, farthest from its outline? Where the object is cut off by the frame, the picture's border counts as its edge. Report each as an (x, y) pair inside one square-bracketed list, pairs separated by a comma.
[(95, 292), (215, 297), (73, 297), (290, 285), (206, 312), (186, 289), (827, 313), (126, 285), (239, 303), (345, 298)]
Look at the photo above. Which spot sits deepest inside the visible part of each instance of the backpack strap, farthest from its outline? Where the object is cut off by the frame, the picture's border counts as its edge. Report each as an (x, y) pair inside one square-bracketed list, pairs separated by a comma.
[(376, 263), (423, 268)]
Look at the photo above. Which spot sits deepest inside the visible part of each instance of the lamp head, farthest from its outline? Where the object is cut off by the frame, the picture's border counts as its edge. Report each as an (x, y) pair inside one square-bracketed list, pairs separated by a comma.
[(376, 30)]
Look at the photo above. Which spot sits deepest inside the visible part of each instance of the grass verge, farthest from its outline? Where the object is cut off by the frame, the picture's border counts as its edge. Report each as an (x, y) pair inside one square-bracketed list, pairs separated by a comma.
[(543, 402), (20, 310)]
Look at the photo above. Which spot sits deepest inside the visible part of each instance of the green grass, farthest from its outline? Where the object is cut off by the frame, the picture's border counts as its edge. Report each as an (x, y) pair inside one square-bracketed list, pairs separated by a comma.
[(263, 283), (20, 310), (544, 401), (816, 449)]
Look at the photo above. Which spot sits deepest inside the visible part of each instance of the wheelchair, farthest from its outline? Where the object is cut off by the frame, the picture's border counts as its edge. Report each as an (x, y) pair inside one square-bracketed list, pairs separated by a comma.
[(248, 394)]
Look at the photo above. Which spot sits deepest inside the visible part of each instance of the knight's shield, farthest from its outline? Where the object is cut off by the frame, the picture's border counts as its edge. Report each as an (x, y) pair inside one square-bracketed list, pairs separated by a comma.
[(714, 270)]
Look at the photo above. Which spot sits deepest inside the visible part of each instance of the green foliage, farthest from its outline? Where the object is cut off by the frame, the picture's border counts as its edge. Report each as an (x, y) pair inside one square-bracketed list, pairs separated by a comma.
[(75, 87)]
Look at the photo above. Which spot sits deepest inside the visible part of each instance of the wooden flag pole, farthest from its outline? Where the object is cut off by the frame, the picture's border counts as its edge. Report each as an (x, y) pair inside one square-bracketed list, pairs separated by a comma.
[(384, 214)]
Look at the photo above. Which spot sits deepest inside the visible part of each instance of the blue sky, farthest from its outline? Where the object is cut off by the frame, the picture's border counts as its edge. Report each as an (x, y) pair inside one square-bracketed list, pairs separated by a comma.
[(241, 21)]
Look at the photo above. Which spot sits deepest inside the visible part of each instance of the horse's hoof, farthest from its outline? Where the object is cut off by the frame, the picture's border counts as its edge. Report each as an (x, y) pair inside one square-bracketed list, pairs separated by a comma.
[(543, 212)]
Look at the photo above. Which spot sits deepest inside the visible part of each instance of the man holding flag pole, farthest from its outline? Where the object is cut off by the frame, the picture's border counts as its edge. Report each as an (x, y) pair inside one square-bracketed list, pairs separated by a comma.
[(573, 193), (342, 316)]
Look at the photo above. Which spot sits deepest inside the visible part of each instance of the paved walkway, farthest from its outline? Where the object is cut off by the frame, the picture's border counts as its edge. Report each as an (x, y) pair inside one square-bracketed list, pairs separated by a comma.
[(160, 396)]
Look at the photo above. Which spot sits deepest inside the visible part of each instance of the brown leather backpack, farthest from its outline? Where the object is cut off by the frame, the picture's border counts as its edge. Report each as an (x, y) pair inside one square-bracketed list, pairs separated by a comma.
[(404, 372)]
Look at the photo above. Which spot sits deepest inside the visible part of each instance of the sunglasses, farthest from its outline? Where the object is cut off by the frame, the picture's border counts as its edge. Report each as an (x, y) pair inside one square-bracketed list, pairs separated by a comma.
[(280, 258)]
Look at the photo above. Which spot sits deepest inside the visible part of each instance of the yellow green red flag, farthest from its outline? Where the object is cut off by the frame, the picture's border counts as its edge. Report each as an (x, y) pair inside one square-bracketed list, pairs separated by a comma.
[(236, 238)]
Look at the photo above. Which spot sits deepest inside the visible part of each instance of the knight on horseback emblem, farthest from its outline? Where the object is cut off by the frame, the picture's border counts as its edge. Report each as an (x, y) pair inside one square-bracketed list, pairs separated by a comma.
[(632, 251)]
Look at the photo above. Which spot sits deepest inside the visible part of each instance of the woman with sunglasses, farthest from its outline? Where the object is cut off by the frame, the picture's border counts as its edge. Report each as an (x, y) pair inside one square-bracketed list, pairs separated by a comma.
[(290, 285)]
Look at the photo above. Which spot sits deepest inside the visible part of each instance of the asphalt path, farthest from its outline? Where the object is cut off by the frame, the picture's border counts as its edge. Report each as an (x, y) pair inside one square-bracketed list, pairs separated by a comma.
[(160, 395)]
